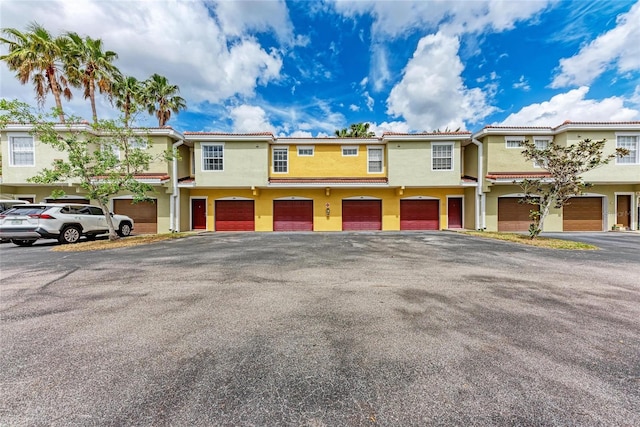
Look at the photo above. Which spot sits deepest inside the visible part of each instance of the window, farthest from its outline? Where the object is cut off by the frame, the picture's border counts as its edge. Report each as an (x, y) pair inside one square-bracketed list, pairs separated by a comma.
[(212, 157), (349, 151), (281, 159), (442, 157), (21, 151), (514, 141), (631, 143), (541, 144), (305, 151), (138, 143), (374, 160)]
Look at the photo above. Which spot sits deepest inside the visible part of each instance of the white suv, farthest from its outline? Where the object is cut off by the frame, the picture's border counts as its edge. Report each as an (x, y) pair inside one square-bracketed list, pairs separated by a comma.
[(24, 224)]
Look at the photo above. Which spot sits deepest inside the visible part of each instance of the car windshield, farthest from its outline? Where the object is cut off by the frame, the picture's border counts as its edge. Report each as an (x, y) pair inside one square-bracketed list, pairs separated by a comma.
[(25, 210)]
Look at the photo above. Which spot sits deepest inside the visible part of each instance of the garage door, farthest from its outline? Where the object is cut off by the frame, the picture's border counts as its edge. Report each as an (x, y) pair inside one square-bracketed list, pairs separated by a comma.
[(362, 215), (235, 215), (582, 214), (144, 215), (293, 215), (419, 214), (513, 216)]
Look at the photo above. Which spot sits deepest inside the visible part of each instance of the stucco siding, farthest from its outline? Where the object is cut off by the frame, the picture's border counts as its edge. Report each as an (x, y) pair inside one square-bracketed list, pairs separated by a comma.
[(245, 165), (410, 164)]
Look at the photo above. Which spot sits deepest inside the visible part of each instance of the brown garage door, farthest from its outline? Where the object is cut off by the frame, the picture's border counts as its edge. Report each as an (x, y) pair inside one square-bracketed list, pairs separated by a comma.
[(582, 214), (235, 215), (293, 215), (419, 214), (513, 216), (144, 214), (361, 215)]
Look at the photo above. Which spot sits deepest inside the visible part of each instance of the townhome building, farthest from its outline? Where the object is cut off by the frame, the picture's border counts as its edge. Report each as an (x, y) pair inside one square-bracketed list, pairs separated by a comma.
[(23, 156), (613, 198)]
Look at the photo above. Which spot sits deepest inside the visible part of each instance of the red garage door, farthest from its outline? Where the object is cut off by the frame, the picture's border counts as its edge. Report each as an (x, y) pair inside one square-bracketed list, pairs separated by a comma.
[(292, 215), (419, 215), (361, 215), (582, 214), (234, 215)]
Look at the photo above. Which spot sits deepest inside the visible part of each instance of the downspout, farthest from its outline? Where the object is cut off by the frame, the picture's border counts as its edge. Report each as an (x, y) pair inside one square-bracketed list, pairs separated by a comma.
[(480, 201), (174, 206)]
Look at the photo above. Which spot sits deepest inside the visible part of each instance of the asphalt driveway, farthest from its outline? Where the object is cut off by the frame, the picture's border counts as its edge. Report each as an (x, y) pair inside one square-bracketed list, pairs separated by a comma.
[(320, 329)]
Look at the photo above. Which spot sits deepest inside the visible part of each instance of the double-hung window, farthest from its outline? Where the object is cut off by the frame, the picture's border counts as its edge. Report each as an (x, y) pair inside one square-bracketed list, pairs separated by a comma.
[(350, 151), (631, 143), (21, 151), (280, 159), (442, 156), (514, 141), (541, 144), (374, 160), (212, 157)]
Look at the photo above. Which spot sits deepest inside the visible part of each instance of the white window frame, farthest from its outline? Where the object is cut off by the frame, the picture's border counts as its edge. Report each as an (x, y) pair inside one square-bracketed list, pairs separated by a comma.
[(217, 144), (12, 151), (381, 149), (518, 139), (547, 140), (306, 147), (281, 148), (350, 147), (635, 161), (433, 157)]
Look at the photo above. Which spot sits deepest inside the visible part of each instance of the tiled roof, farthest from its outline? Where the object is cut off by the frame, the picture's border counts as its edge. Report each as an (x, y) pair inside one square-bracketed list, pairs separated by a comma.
[(148, 176), (463, 132), (230, 134), (517, 175), (336, 180), (565, 123)]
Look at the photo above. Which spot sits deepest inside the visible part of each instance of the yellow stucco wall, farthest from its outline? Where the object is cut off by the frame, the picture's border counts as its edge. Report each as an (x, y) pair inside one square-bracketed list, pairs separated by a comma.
[(264, 204)]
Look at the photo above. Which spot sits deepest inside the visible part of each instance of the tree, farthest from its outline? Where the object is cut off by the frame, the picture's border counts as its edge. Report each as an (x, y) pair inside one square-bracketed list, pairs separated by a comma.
[(128, 93), (37, 56), (163, 98), (356, 130), (103, 160), (88, 66), (565, 166)]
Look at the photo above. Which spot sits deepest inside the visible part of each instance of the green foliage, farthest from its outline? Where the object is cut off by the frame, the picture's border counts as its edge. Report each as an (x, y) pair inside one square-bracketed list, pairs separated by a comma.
[(355, 130), (565, 164), (103, 158)]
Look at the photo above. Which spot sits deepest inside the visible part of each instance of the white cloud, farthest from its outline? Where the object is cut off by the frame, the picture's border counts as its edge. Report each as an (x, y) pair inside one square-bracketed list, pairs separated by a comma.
[(300, 134), (431, 93), (354, 107), (369, 100), (238, 17), (572, 106), (618, 48), (250, 119), (522, 83), (395, 126)]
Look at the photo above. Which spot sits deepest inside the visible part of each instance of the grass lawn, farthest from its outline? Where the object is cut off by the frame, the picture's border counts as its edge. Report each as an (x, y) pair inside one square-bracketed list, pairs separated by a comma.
[(97, 245), (543, 242)]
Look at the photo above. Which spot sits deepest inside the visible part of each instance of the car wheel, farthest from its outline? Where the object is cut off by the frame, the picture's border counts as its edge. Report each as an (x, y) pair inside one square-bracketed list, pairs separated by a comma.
[(22, 242), (124, 230), (70, 234)]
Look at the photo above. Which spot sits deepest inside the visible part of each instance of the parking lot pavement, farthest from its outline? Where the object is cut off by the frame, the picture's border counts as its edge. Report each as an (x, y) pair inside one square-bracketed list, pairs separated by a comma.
[(320, 329)]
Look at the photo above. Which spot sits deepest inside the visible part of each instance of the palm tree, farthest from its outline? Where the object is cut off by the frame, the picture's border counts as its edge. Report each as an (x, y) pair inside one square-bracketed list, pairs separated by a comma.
[(89, 66), (37, 56), (128, 93), (355, 130), (163, 98), (342, 133)]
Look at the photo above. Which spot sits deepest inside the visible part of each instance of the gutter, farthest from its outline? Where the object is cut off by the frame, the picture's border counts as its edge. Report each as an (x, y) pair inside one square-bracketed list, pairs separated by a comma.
[(174, 204), (480, 208)]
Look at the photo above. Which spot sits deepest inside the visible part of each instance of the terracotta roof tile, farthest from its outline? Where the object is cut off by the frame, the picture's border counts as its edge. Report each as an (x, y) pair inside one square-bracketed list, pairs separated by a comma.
[(517, 175)]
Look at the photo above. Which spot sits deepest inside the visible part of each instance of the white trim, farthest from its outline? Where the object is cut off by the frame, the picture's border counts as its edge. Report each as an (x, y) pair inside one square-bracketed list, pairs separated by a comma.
[(206, 204), (381, 149), (10, 136), (350, 147), (632, 219), (306, 147), (233, 198), (210, 144), (420, 198), (361, 198), (292, 198), (453, 150), (513, 138), (273, 160), (456, 196)]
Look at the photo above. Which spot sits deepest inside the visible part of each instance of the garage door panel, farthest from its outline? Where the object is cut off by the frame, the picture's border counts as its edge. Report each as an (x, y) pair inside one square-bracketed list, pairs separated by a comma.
[(361, 215), (419, 215), (144, 214), (582, 214), (512, 215), (293, 215), (234, 215)]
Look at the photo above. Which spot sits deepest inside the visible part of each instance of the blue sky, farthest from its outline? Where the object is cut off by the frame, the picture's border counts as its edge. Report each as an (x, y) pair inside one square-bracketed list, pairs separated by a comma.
[(307, 68)]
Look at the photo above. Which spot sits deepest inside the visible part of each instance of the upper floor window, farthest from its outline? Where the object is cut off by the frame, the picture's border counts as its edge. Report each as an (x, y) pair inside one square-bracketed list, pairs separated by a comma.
[(281, 159), (442, 157), (21, 151), (514, 141), (541, 144), (305, 150), (375, 159), (212, 157), (349, 151), (631, 143)]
